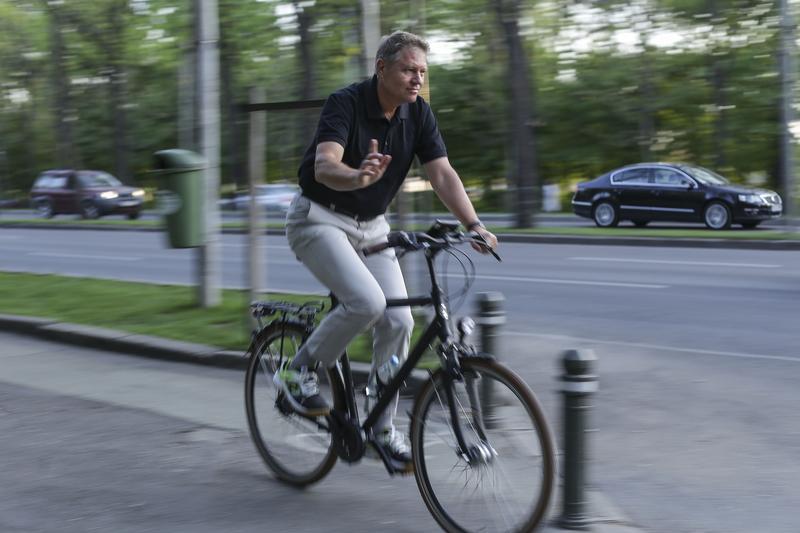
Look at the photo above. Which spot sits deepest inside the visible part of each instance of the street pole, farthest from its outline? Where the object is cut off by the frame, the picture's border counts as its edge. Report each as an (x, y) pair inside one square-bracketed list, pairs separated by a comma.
[(208, 77), (786, 149), (258, 141)]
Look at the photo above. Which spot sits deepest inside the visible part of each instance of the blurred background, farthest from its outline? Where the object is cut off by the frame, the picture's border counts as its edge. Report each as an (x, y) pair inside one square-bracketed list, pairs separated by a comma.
[(528, 93)]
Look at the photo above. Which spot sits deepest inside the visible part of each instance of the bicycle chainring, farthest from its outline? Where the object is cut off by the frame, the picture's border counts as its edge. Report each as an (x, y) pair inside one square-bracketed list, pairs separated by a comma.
[(348, 443)]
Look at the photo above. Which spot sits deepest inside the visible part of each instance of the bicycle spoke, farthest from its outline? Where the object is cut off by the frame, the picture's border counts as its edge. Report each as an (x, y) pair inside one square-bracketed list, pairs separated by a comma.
[(296, 448)]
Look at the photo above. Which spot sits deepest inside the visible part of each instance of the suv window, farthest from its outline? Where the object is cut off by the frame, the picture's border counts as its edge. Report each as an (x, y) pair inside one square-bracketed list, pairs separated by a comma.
[(42, 182), (633, 176), (98, 179)]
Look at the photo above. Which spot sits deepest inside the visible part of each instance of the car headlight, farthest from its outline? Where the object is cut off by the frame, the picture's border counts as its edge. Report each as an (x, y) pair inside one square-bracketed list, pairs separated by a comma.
[(750, 198), (138, 193), (108, 195)]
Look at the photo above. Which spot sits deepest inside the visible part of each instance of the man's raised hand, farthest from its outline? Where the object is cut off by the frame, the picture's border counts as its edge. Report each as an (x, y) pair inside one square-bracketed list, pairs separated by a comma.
[(373, 166)]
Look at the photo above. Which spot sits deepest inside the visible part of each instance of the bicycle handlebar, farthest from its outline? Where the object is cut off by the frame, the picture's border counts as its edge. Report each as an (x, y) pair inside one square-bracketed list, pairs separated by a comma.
[(419, 240)]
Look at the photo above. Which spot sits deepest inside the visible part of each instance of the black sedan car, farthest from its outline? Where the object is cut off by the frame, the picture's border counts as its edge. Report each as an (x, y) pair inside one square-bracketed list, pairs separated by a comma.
[(671, 192)]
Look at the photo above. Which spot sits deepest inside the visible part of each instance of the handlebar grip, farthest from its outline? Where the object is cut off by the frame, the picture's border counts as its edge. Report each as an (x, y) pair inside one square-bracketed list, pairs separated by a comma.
[(375, 248), (395, 239)]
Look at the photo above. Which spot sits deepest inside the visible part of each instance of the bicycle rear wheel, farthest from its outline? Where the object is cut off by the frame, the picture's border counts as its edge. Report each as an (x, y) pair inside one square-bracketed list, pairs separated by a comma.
[(504, 480), (297, 449)]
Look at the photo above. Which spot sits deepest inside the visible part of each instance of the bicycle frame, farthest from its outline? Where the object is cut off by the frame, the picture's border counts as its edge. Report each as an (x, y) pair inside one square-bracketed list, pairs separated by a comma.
[(438, 327)]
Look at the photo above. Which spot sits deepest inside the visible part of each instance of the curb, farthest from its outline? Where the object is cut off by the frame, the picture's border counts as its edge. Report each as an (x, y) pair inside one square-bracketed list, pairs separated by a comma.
[(160, 348), (672, 242)]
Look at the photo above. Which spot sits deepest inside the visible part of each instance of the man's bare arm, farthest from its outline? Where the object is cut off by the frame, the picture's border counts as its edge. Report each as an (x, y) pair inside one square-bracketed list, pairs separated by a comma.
[(330, 171)]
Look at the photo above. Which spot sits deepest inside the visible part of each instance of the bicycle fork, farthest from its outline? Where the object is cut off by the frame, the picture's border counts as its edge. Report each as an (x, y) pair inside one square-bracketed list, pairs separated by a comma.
[(474, 453)]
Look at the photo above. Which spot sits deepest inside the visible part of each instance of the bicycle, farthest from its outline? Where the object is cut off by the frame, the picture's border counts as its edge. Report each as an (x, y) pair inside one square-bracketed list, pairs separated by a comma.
[(461, 446)]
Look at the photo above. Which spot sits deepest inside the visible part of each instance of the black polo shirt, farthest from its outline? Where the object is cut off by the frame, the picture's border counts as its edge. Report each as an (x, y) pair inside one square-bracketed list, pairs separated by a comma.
[(352, 117)]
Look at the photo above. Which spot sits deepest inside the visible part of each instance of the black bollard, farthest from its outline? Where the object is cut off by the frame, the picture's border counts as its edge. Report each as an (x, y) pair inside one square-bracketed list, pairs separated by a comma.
[(579, 383), (491, 317)]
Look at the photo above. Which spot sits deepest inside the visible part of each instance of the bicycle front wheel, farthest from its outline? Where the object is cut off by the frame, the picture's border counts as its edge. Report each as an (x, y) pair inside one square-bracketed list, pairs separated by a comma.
[(297, 449), (503, 480)]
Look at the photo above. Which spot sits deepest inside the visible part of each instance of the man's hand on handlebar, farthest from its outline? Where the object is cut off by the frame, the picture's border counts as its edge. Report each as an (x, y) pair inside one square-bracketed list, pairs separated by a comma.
[(488, 237)]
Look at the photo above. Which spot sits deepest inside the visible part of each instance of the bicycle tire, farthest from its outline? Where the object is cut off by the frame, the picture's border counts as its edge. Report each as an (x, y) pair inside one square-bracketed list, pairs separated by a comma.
[(275, 432), (451, 488)]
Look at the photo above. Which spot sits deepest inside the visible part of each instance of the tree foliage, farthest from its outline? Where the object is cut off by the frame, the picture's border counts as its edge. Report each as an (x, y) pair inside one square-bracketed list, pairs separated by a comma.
[(613, 82)]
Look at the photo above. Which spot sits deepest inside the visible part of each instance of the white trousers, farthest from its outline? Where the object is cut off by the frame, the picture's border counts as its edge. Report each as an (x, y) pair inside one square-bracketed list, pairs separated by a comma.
[(330, 245)]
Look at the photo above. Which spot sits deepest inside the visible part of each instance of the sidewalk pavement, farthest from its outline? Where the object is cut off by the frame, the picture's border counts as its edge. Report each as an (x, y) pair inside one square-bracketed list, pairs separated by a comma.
[(602, 516)]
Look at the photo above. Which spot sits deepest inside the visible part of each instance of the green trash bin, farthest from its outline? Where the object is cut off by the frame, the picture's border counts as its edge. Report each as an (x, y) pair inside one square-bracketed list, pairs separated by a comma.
[(181, 196)]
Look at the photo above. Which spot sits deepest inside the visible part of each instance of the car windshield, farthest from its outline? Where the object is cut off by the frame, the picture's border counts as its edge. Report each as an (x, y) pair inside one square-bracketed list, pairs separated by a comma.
[(704, 176), (98, 179)]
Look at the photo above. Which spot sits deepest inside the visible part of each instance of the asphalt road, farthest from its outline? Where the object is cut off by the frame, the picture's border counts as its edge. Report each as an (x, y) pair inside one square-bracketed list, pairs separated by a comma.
[(697, 348), (689, 300)]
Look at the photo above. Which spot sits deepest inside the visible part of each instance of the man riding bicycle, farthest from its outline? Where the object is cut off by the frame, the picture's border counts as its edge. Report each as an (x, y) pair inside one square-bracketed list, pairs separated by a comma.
[(367, 137)]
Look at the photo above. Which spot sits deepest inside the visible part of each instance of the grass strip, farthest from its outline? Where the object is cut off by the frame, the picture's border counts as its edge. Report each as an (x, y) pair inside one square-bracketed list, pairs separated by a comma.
[(168, 311)]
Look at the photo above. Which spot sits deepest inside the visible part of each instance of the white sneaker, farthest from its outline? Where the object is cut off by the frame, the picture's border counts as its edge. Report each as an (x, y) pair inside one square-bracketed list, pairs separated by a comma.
[(395, 445)]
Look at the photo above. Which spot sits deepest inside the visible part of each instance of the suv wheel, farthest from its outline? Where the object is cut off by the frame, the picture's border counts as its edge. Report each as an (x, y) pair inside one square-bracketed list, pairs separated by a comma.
[(89, 211), (44, 208)]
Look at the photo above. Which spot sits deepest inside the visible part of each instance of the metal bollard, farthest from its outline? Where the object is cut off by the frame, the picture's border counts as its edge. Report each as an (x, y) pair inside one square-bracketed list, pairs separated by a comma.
[(491, 317), (579, 383)]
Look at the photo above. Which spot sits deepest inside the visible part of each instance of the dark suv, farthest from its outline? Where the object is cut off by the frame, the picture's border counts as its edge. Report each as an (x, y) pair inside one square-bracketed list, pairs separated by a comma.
[(89, 193)]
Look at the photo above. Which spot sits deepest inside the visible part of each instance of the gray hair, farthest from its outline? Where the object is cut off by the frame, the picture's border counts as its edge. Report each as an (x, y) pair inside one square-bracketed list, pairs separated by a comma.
[(391, 45)]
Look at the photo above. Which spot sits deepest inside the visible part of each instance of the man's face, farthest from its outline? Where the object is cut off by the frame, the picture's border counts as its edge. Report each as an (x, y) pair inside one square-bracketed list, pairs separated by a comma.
[(403, 78)]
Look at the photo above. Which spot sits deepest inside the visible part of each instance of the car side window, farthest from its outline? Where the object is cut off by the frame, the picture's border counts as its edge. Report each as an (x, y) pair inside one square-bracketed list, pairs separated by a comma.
[(633, 176), (667, 177), (58, 182)]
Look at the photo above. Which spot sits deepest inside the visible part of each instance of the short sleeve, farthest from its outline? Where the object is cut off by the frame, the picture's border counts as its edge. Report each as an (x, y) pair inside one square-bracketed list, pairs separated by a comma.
[(336, 119), (430, 144)]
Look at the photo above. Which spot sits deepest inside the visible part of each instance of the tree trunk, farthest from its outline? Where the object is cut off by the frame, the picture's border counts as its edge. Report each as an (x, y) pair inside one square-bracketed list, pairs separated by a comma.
[(304, 20), (521, 109), (233, 164), (118, 96), (720, 101), (66, 153), (647, 126)]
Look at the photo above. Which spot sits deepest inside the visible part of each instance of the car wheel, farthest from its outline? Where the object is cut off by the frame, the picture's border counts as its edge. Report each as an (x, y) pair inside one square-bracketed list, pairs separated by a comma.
[(717, 216), (605, 215), (750, 225), (89, 211), (133, 216), (640, 223), (44, 208)]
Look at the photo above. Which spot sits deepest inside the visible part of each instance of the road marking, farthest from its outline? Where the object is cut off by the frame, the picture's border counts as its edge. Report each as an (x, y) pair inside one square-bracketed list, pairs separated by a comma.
[(85, 256), (659, 347), (661, 262), (568, 281)]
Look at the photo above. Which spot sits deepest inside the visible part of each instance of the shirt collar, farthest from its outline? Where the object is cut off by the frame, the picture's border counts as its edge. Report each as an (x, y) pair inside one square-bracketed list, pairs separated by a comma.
[(374, 110)]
